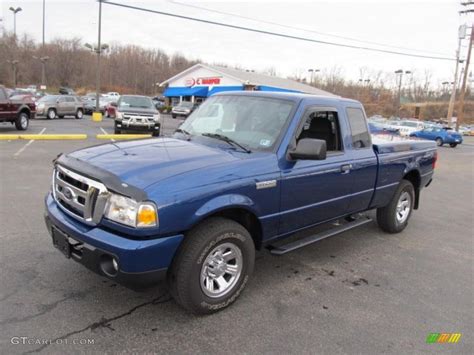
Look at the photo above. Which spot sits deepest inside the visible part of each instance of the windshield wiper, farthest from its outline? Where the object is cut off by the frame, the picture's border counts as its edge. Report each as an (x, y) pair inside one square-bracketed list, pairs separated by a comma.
[(227, 140), (186, 133)]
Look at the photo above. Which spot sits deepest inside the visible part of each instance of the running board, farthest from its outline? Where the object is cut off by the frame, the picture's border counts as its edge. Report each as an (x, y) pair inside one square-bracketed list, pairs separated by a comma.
[(286, 248)]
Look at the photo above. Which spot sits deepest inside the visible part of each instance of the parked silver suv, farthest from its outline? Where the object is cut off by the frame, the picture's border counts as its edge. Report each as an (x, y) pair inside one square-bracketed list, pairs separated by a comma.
[(52, 106)]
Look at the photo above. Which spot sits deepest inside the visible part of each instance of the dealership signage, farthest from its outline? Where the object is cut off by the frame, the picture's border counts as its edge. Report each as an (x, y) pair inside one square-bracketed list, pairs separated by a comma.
[(210, 81)]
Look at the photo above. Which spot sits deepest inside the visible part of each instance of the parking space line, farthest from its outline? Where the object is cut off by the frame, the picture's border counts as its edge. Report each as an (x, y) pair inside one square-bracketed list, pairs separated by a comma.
[(42, 136), (27, 144), (105, 132)]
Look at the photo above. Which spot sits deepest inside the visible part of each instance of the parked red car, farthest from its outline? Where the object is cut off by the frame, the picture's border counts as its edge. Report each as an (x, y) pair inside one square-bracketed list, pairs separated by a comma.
[(111, 109)]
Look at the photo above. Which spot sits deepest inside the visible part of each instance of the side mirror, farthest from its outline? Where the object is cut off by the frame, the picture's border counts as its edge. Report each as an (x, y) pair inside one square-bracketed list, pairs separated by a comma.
[(309, 149), (113, 104)]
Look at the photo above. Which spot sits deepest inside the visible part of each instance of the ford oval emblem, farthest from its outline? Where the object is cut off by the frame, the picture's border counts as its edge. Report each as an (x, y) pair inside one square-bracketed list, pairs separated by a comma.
[(68, 193)]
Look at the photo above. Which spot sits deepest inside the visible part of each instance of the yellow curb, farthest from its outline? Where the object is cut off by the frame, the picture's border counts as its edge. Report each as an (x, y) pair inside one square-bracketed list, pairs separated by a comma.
[(42, 136), (122, 136)]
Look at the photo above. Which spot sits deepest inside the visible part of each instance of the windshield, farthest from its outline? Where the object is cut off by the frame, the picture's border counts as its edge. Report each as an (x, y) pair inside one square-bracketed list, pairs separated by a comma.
[(49, 98), (186, 104), (253, 122), (135, 102)]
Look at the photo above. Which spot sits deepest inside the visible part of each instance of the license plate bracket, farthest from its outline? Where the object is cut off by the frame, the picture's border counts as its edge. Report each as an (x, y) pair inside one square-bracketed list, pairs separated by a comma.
[(61, 242)]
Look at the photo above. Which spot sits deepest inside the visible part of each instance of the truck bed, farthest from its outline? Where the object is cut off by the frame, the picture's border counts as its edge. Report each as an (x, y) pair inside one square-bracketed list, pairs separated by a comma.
[(386, 143)]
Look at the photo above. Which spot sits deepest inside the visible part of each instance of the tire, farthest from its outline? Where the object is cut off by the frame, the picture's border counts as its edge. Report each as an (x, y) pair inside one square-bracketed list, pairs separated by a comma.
[(51, 114), (117, 131), (203, 246), (174, 116), (22, 121), (155, 133), (394, 217), (453, 145), (439, 142), (79, 114)]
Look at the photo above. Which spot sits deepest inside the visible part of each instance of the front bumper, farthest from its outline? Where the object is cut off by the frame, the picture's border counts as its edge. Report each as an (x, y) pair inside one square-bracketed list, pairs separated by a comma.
[(141, 263), (138, 127)]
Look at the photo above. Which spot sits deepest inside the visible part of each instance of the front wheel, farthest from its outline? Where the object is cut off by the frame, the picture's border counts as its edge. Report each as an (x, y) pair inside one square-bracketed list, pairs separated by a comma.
[(439, 142), (51, 114), (79, 114), (453, 145), (22, 121), (212, 266), (394, 217)]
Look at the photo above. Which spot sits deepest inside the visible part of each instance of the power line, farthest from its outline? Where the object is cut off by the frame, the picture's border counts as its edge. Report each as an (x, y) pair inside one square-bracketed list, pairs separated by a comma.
[(249, 29), (300, 28)]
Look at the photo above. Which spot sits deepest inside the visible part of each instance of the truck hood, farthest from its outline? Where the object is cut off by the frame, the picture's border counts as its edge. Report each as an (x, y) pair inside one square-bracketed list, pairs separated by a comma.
[(146, 162)]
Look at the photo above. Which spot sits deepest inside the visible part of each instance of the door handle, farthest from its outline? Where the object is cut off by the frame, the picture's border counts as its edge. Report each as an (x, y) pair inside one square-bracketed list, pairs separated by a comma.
[(345, 169)]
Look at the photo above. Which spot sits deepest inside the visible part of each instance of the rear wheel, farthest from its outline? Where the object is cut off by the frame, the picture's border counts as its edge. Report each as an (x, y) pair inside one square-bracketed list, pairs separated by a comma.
[(51, 114), (212, 267), (117, 131), (453, 145), (22, 121), (439, 142), (394, 217)]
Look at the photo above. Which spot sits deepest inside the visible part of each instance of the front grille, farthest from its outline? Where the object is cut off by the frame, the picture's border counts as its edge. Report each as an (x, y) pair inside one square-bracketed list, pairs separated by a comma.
[(80, 197)]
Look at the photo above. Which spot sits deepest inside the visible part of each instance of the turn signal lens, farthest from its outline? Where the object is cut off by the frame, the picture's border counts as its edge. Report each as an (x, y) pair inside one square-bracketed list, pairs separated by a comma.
[(147, 216)]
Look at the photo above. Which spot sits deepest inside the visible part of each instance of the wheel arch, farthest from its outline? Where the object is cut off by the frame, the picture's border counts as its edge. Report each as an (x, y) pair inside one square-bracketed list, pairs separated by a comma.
[(414, 177), (240, 211)]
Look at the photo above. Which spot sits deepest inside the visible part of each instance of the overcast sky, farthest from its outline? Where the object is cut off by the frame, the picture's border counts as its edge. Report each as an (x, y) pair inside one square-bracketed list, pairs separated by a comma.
[(429, 26)]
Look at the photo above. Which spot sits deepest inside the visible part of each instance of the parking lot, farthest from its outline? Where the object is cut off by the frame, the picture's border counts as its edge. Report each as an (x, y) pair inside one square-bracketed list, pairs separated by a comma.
[(357, 292)]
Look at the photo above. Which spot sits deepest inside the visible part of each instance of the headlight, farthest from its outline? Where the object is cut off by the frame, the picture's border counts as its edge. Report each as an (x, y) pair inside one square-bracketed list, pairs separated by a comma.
[(118, 115), (41, 105), (156, 117), (126, 211)]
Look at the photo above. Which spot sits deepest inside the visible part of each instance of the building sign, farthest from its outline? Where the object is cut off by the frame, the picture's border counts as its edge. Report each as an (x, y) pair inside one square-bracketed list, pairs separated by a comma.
[(203, 81)]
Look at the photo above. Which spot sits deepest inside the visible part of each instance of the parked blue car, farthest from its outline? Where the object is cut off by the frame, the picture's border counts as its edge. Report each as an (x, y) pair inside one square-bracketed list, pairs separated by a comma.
[(440, 135)]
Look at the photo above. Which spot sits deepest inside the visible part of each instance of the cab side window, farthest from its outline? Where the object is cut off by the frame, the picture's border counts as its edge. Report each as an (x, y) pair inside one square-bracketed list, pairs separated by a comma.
[(323, 125), (358, 124)]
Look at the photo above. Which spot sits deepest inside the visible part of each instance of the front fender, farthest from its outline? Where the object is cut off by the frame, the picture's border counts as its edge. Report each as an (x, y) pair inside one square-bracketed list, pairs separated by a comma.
[(223, 202)]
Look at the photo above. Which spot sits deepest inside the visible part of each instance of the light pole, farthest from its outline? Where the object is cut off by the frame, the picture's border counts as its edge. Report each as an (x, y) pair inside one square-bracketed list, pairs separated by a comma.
[(461, 35), (14, 64), (98, 50), (312, 71), (15, 11), (43, 61), (400, 73)]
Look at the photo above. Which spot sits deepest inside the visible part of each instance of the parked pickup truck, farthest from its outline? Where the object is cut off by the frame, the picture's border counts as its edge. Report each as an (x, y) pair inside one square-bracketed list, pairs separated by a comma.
[(245, 171), (16, 111)]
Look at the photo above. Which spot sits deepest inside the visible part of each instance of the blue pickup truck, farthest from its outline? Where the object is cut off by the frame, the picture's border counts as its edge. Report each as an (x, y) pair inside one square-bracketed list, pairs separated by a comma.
[(245, 171)]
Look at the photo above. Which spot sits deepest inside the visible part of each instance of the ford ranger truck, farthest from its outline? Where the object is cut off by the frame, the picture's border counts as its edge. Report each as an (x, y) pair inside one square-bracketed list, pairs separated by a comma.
[(17, 112), (245, 171)]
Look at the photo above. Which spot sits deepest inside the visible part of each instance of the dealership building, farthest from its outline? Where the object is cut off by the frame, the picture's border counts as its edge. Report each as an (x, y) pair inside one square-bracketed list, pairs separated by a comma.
[(200, 81)]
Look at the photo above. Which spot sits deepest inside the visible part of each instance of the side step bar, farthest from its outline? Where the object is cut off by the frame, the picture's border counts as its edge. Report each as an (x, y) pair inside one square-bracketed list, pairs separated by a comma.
[(286, 248)]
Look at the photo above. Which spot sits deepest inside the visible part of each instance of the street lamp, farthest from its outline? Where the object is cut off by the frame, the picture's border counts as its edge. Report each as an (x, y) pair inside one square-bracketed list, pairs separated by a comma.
[(14, 64), (313, 71), (43, 61), (98, 50), (15, 11), (400, 73)]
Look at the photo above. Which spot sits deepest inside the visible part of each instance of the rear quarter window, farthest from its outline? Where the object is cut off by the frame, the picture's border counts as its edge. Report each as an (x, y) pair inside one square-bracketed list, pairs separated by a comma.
[(357, 122)]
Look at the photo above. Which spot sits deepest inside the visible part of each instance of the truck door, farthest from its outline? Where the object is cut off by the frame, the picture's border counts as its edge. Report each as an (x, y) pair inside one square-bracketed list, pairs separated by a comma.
[(313, 191), (364, 164)]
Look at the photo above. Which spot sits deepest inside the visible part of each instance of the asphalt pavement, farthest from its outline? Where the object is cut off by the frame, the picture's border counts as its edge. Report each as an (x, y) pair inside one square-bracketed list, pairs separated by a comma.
[(362, 292)]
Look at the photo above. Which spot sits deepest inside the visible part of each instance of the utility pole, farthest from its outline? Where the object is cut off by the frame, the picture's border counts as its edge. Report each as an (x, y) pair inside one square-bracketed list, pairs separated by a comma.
[(464, 81), (99, 49), (462, 35), (44, 18)]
